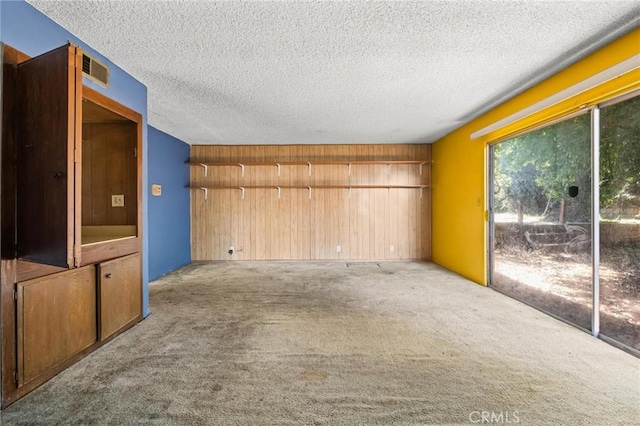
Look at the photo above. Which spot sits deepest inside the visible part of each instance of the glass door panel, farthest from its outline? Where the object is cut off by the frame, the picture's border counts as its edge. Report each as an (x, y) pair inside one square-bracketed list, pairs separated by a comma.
[(541, 222), (620, 222)]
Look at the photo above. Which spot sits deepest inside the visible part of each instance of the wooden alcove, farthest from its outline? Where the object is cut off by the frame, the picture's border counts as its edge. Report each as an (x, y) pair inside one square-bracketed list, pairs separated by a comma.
[(71, 260)]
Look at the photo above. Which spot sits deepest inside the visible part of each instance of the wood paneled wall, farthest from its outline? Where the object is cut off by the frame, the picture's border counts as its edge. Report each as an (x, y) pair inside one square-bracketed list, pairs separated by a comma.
[(367, 224), (109, 167)]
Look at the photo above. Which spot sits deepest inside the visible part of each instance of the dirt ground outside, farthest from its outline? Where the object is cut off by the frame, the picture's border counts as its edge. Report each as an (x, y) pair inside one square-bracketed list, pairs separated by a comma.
[(559, 282)]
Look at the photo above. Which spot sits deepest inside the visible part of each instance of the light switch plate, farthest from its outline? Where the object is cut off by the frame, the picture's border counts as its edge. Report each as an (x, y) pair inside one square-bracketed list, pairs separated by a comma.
[(117, 201), (156, 190)]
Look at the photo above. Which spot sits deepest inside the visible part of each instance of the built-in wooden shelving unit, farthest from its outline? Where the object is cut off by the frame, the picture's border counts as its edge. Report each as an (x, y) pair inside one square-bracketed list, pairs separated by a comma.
[(308, 187), (310, 164), (205, 167), (310, 202)]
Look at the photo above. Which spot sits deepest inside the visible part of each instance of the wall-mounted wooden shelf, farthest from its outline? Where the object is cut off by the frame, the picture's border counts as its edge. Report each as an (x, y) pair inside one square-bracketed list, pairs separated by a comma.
[(366, 202), (242, 188), (305, 163), (278, 164)]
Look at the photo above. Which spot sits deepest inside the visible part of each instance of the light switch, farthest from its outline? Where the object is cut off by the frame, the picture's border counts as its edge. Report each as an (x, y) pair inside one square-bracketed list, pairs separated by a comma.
[(156, 190)]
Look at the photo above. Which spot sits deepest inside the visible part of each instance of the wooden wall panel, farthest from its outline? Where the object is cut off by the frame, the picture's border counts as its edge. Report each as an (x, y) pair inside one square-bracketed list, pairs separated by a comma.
[(367, 224), (109, 168)]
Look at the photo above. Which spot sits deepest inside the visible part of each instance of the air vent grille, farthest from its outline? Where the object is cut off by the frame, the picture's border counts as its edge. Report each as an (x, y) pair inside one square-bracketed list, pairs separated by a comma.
[(86, 64), (95, 70)]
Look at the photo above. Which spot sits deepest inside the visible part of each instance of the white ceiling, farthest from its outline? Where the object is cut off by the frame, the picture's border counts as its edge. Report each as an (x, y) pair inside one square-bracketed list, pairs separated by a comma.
[(289, 72)]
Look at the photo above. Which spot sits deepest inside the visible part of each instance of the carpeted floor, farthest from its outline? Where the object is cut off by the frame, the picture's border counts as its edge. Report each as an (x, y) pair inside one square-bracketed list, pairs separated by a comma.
[(326, 343)]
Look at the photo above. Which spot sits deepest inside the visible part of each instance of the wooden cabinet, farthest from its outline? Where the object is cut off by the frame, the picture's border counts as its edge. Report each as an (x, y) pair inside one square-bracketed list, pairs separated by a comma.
[(71, 193), (119, 294), (78, 173), (48, 108), (56, 318)]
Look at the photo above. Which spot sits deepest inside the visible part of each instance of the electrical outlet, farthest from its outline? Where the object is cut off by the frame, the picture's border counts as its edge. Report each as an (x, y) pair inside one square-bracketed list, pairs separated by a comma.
[(117, 201), (338, 249), (392, 249)]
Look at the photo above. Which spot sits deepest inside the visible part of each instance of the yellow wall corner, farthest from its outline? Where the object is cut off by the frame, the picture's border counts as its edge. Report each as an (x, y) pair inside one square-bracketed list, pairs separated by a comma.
[(459, 219)]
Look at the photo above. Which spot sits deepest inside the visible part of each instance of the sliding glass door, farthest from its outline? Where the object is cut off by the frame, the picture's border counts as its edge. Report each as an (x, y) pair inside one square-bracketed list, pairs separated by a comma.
[(541, 219), (620, 221), (544, 250)]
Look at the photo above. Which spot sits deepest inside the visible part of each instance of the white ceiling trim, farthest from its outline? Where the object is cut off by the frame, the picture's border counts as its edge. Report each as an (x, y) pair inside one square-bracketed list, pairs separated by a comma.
[(602, 77)]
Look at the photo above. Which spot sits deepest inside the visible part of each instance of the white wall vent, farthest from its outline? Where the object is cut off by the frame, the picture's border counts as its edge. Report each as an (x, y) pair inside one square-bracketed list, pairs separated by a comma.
[(95, 70)]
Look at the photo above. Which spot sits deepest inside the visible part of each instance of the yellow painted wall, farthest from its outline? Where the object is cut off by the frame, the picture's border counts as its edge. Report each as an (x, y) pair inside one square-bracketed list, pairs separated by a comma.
[(459, 164)]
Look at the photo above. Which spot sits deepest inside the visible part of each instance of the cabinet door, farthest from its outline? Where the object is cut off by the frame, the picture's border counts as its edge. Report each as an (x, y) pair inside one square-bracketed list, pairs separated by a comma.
[(48, 132), (8, 167), (120, 289), (56, 319)]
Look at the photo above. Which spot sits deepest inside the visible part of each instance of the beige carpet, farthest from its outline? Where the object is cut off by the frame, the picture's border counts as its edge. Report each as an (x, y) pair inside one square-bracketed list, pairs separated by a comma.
[(310, 343)]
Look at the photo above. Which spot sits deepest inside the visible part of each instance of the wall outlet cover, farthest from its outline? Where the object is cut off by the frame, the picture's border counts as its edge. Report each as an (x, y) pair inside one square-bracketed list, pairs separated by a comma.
[(117, 201), (156, 190)]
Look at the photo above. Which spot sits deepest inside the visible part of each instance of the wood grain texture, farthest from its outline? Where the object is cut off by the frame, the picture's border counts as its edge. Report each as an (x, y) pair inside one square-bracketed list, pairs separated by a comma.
[(30, 270), (44, 97), (92, 113), (95, 253), (56, 319), (8, 315), (10, 60), (364, 222), (46, 117), (10, 391), (109, 168), (132, 116), (120, 294), (74, 236)]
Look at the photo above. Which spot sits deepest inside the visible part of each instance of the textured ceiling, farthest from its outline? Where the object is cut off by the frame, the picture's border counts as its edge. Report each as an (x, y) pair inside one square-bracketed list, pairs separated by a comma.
[(335, 72)]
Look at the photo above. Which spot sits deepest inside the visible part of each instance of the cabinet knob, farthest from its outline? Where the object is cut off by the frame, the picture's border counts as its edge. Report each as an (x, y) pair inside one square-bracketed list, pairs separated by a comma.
[(107, 275), (57, 175)]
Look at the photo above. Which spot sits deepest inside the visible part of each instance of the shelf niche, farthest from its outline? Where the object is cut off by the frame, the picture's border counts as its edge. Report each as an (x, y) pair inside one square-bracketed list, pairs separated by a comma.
[(109, 168)]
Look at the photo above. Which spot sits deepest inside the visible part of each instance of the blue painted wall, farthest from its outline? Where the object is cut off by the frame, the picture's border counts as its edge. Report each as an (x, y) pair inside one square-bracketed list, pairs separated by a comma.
[(26, 29), (169, 214)]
